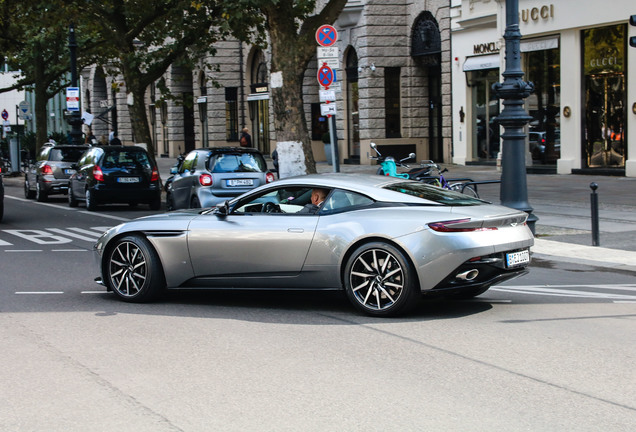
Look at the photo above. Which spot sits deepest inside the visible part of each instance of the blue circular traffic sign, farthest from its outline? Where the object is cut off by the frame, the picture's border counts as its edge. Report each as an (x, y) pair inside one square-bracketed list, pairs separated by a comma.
[(326, 35), (5, 114), (325, 75)]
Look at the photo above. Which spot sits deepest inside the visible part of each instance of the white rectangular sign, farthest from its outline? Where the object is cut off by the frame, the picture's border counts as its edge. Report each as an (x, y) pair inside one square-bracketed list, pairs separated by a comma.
[(327, 52), (327, 95), (333, 63), (327, 109), (72, 99)]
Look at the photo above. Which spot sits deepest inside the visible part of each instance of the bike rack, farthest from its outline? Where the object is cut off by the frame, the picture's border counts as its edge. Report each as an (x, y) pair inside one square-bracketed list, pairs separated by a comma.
[(475, 183)]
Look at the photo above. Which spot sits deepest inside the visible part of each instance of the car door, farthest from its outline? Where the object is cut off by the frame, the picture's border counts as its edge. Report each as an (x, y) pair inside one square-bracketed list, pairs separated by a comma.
[(183, 181), (249, 243)]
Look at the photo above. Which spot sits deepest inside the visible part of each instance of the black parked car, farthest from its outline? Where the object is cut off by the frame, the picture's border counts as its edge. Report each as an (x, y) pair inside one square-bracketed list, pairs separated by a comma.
[(115, 174), (49, 173)]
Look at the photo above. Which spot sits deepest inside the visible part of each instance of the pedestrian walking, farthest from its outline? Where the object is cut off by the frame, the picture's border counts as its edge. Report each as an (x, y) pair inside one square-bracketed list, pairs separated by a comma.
[(115, 140), (246, 139)]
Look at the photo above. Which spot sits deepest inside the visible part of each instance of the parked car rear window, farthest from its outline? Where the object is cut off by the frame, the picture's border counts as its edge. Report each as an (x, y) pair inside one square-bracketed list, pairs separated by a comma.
[(237, 162), (434, 193), (125, 158), (65, 154)]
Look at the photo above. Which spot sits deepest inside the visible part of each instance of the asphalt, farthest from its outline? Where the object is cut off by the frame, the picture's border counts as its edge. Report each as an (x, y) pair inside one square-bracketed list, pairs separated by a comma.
[(562, 204)]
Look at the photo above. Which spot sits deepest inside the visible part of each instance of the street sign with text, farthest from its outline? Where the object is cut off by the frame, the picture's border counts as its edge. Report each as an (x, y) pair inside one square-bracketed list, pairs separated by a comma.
[(72, 99)]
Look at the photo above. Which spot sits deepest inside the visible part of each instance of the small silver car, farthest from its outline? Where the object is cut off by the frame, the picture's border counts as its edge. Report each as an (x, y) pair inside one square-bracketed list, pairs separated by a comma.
[(384, 240), (211, 175)]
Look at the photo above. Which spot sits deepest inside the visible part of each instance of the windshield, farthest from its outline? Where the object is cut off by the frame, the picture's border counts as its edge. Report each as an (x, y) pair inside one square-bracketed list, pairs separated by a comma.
[(237, 162), (125, 158), (66, 154), (434, 193)]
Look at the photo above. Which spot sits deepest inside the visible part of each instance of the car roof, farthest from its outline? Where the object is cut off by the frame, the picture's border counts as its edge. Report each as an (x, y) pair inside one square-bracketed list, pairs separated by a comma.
[(228, 150), (367, 184)]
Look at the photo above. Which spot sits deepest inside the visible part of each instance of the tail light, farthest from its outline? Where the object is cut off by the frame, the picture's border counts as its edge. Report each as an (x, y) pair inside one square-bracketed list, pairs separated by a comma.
[(155, 175), (460, 225), (47, 170), (269, 177), (205, 180), (98, 174)]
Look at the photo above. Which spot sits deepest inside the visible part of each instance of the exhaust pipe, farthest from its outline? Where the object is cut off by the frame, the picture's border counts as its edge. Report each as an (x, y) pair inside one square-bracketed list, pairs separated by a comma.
[(468, 275)]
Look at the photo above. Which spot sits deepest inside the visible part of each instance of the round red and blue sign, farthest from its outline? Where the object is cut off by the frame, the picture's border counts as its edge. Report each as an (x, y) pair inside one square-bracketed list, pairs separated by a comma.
[(5, 114), (326, 35), (325, 75)]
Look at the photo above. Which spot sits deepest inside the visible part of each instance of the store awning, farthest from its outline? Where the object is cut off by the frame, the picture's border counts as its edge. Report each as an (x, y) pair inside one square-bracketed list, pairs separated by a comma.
[(490, 61)]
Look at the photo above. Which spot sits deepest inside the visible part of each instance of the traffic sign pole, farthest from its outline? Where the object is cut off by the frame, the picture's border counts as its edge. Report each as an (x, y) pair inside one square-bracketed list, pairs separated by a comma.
[(326, 36)]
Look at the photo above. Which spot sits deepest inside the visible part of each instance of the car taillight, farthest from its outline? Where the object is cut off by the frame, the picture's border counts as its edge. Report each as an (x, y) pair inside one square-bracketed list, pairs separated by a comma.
[(205, 180), (155, 175), (447, 226), (46, 169), (269, 177), (98, 174)]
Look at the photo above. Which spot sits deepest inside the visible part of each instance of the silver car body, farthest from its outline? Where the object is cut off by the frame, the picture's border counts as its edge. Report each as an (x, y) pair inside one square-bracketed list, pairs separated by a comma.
[(208, 249)]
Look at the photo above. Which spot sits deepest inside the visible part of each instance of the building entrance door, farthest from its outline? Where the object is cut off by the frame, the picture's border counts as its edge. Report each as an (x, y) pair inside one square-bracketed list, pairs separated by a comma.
[(259, 115), (485, 109)]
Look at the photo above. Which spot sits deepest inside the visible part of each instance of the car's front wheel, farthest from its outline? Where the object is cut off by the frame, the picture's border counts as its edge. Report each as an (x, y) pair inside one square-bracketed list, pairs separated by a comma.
[(40, 194), (91, 204), (28, 193), (380, 281), (72, 201), (132, 270)]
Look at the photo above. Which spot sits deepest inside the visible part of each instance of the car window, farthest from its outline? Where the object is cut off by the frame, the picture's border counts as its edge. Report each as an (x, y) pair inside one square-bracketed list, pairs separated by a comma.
[(237, 162), (189, 162), (65, 154), (280, 201), (341, 200), (124, 158), (433, 193)]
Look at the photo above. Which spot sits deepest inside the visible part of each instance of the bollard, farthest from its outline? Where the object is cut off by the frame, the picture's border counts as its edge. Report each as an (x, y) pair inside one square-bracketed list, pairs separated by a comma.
[(594, 205)]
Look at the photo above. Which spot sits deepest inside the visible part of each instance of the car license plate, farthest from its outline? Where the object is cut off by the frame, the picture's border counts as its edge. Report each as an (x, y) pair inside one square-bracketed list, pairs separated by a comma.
[(515, 259), (69, 171), (127, 179), (240, 182)]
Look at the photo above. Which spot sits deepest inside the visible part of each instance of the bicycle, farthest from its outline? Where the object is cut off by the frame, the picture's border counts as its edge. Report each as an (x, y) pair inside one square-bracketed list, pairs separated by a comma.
[(440, 181)]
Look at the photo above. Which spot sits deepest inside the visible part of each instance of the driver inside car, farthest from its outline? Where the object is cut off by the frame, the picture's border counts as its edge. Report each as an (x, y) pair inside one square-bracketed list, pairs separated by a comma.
[(318, 196)]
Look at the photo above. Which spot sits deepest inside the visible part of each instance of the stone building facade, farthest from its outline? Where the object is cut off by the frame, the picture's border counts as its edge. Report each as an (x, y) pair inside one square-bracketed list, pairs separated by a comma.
[(393, 88)]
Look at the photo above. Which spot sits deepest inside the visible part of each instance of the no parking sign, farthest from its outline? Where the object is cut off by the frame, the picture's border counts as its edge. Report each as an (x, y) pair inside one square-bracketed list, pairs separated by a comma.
[(326, 35)]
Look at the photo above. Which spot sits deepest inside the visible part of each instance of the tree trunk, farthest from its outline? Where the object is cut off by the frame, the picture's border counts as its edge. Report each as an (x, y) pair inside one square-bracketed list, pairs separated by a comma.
[(40, 109), (290, 122), (137, 111)]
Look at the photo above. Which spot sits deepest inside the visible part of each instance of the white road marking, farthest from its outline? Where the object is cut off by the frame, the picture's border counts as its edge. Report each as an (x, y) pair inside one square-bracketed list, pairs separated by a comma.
[(69, 250), (5, 243), (38, 292), (69, 233), (564, 291), (24, 250), (93, 292)]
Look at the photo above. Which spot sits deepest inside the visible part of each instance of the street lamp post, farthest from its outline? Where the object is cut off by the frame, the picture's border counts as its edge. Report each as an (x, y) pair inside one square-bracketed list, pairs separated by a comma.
[(74, 117), (513, 89)]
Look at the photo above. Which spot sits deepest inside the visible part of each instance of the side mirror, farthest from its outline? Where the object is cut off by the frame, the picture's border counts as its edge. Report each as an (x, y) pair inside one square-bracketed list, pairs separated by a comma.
[(222, 209)]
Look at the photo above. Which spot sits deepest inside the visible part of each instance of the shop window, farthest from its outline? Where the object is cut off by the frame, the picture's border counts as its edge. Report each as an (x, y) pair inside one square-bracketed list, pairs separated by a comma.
[(393, 126), (319, 123), (231, 114)]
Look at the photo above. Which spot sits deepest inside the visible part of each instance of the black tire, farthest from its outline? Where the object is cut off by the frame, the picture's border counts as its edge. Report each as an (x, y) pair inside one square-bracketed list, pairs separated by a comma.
[(40, 195), (132, 270), (468, 190), (91, 204), (28, 193), (380, 281), (195, 203), (169, 202), (72, 202), (380, 171)]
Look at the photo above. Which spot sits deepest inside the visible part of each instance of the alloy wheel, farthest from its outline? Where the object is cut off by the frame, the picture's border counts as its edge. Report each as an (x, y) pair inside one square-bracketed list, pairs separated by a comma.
[(377, 279), (128, 269)]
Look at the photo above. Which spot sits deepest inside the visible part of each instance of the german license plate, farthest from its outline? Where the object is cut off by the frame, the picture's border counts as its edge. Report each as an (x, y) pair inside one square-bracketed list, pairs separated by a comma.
[(514, 259), (240, 182), (69, 171), (127, 179)]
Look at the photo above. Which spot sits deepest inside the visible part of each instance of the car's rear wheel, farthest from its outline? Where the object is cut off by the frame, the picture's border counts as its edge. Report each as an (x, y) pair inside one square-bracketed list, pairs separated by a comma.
[(40, 194), (91, 203), (380, 281), (28, 193), (72, 202), (132, 270)]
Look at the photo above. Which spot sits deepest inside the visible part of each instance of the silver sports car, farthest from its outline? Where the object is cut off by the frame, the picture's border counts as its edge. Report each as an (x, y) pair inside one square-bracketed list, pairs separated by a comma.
[(384, 240)]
